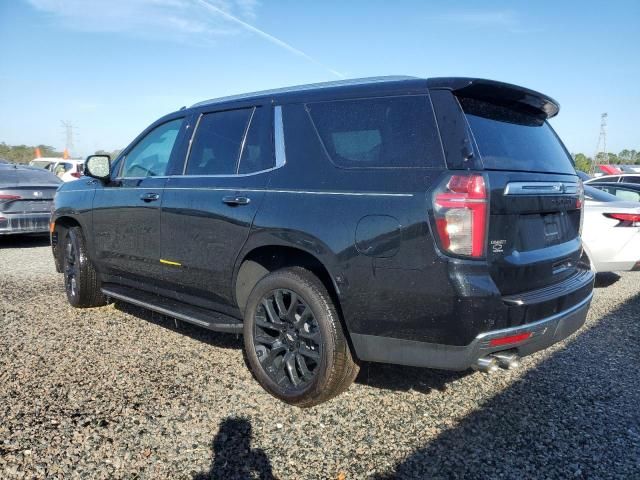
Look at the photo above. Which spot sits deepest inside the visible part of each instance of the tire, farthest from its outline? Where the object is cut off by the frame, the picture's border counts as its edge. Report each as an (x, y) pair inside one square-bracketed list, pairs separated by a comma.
[(81, 281), (278, 340)]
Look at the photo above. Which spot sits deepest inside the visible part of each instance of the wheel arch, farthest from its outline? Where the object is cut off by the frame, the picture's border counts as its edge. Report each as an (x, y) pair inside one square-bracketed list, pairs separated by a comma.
[(262, 260), (60, 226)]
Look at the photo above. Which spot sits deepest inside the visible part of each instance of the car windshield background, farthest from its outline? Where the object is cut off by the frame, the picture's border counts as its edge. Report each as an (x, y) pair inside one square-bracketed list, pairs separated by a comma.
[(511, 140), (385, 132), (217, 143), (150, 156)]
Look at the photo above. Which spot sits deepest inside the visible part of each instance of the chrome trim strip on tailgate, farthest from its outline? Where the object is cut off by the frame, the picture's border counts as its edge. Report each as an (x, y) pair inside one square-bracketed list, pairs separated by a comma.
[(541, 188)]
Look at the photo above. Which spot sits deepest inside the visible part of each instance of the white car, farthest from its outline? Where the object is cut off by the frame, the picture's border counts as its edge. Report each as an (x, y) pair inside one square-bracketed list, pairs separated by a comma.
[(611, 232), (622, 178), (67, 169)]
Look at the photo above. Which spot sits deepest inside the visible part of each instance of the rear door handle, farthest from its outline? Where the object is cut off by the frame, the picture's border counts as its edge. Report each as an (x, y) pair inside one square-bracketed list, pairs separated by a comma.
[(150, 197), (235, 200)]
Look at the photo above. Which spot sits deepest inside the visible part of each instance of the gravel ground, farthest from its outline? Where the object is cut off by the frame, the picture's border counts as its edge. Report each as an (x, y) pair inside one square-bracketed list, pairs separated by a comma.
[(117, 392)]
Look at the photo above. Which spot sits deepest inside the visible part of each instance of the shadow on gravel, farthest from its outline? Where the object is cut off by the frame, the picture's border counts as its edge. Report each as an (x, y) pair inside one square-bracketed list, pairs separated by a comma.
[(606, 279), (402, 378), (233, 457), (575, 416), (216, 339), (24, 241)]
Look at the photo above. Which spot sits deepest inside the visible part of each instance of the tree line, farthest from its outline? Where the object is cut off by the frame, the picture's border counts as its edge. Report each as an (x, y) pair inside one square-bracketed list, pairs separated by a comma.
[(625, 157), (26, 153)]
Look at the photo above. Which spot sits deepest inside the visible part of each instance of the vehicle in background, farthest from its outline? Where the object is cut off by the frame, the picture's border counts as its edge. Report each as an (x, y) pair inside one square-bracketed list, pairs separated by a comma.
[(67, 169), (611, 231), (601, 170), (630, 168), (621, 178), (624, 191), (26, 198), (424, 222)]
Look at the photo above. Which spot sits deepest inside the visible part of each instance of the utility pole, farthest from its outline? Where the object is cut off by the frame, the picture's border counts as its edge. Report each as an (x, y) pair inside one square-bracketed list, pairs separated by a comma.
[(602, 145), (68, 133)]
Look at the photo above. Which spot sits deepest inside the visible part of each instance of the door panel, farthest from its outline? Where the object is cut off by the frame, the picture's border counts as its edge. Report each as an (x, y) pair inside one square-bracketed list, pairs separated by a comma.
[(127, 229), (126, 211), (207, 214)]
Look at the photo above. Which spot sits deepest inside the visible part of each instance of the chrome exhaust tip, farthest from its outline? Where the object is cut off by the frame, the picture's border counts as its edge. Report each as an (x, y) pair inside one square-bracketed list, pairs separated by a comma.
[(486, 364), (507, 360)]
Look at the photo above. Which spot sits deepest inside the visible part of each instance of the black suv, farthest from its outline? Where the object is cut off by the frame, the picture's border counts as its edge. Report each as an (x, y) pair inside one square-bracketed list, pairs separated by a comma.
[(433, 223)]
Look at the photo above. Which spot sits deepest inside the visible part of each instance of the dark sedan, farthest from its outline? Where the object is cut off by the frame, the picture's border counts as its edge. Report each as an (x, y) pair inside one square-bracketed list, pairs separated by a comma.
[(26, 196)]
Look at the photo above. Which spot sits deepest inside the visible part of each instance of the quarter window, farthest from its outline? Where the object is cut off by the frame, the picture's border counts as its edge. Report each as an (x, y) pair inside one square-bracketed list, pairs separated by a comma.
[(217, 143), (150, 156), (378, 132)]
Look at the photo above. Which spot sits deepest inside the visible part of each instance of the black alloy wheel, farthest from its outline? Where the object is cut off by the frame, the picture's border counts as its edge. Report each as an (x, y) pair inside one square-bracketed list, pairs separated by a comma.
[(287, 339)]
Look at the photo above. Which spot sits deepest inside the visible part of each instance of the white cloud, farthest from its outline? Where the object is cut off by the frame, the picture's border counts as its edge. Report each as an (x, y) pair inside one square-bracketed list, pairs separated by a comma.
[(199, 21), (495, 19), (174, 20)]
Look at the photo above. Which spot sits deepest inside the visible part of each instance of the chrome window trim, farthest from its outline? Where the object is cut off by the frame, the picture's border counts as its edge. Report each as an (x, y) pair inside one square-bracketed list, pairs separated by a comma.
[(278, 133), (244, 139), (541, 188), (193, 134)]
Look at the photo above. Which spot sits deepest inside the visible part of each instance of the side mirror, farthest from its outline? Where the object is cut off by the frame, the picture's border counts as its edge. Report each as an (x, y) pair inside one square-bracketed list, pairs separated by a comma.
[(98, 166)]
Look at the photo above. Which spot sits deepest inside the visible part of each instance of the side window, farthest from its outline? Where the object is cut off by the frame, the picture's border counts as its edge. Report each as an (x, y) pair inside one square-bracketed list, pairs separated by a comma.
[(257, 153), (149, 158), (378, 132), (217, 142), (631, 179)]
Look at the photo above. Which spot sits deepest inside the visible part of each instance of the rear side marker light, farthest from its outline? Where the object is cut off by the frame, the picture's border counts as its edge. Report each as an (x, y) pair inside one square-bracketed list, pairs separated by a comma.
[(511, 339), (460, 208), (626, 219)]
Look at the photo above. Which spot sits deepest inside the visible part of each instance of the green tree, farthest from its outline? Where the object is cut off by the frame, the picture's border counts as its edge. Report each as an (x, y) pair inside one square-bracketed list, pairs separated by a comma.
[(582, 162)]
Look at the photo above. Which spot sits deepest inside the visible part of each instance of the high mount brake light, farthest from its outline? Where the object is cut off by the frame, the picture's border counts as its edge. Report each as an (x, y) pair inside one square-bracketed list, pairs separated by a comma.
[(460, 208), (626, 219)]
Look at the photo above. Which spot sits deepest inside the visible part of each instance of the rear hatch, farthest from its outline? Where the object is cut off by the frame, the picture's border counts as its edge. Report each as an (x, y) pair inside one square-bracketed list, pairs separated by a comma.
[(26, 189), (534, 197)]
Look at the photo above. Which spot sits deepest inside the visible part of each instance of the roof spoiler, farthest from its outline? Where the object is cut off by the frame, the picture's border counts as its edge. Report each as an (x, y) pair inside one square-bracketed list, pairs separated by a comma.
[(498, 93)]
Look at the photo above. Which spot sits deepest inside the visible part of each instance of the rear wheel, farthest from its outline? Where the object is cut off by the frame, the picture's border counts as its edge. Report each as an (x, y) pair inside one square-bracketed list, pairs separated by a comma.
[(294, 341), (80, 277)]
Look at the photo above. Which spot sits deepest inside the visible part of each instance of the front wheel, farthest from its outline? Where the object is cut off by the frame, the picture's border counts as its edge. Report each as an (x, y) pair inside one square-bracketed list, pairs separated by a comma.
[(80, 277), (294, 341)]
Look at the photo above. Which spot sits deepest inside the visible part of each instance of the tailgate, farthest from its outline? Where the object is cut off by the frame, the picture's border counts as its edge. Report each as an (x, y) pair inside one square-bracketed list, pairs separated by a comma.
[(534, 230)]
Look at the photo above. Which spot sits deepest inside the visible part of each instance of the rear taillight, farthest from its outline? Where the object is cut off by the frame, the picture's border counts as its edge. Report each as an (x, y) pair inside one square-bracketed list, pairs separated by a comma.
[(626, 219), (460, 208), (10, 197), (76, 174)]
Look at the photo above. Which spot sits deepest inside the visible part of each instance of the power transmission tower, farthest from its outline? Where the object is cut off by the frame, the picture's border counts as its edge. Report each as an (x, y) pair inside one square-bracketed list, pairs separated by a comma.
[(601, 147), (68, 133)]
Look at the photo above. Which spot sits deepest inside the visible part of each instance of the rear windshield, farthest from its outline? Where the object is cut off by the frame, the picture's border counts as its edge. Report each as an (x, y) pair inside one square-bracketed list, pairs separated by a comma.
[(511, 140), (383, 132)]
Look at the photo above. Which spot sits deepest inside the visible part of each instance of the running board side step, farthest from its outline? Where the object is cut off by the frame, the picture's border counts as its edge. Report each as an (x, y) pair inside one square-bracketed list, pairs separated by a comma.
[(208, 319)]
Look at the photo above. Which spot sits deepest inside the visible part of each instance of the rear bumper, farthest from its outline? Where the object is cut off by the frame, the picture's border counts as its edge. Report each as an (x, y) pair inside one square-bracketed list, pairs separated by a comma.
[(544, 333), (16, 223)]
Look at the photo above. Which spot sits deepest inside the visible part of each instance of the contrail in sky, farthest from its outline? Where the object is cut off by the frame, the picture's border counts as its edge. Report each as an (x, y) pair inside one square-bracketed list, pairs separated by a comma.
[(268, 37)]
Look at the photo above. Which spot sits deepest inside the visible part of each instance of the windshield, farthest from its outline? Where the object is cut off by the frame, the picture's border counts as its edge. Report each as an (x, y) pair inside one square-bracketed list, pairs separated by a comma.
[(512, 140)]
